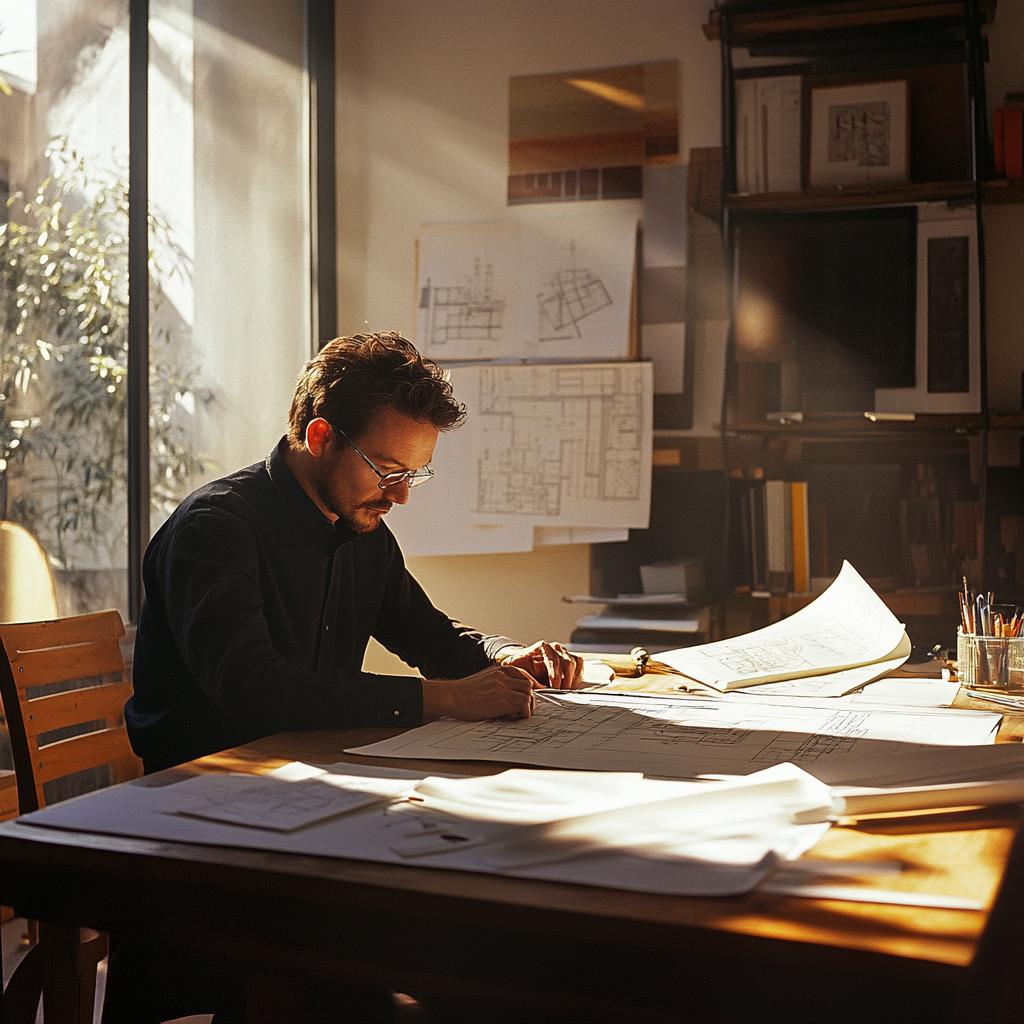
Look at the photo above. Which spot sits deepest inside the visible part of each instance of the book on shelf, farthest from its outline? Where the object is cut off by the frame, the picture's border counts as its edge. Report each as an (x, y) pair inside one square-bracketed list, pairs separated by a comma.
[(773, 535), (768, 134), (1008, 140)]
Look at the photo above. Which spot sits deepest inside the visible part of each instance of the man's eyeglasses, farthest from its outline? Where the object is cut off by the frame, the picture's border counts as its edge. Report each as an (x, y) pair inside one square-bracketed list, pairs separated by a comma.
[(414, 477)]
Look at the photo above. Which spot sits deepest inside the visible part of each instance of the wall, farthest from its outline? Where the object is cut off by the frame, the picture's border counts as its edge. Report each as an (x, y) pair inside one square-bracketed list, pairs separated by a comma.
[(422, 108), (422, 118)]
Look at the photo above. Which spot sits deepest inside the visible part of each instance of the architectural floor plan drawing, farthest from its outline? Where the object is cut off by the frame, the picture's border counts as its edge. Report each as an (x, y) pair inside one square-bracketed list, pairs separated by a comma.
[(688, 738), (571, 294), (552, 441), (545, 283), (463, 312)]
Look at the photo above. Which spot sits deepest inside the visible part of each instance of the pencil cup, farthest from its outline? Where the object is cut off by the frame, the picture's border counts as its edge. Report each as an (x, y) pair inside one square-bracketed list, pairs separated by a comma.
[(990, 661)]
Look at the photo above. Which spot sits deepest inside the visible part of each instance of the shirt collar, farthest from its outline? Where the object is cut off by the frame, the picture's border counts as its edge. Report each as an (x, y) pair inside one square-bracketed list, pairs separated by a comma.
[(301, 509)]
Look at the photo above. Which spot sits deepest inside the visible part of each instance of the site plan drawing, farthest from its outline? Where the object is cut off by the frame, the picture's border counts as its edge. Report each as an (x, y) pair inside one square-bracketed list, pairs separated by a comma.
[(572, 293), (679, 738), (562, 444)]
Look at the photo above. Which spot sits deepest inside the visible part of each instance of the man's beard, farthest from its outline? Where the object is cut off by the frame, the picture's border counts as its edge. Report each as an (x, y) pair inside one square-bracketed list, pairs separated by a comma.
[(360, 519)]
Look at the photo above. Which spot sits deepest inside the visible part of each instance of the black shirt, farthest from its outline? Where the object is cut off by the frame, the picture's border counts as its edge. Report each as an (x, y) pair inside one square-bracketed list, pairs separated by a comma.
[(256, 617)]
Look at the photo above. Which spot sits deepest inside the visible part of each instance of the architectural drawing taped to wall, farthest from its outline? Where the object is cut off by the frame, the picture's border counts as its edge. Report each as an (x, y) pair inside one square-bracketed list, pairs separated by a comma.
[(572, 293), (470, 311), (551, 441), (545, 283), (563, 447)]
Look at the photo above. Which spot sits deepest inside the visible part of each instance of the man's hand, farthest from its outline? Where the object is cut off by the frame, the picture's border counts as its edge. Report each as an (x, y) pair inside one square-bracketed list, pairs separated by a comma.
[(550, 664), (497, 691)]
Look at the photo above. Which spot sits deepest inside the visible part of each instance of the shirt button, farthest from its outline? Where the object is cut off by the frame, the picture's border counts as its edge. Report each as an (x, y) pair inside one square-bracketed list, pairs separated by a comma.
[(327, 627), (396, 713)]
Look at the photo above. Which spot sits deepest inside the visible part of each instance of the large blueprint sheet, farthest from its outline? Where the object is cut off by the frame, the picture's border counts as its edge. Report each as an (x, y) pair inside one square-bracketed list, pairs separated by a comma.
[(691, 738)]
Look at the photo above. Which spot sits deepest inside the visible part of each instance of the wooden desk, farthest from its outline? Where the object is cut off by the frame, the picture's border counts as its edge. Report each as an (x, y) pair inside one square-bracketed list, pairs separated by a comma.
[(602, 954)]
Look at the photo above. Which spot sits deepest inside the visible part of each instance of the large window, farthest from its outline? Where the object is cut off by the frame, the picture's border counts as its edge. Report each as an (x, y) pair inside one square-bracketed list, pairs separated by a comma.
[(228, 269), (229, 285), (64, 289)]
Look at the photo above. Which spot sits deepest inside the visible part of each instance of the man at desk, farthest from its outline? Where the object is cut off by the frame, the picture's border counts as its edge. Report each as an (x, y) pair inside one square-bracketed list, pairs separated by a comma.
[(261, 593), (264, 587)]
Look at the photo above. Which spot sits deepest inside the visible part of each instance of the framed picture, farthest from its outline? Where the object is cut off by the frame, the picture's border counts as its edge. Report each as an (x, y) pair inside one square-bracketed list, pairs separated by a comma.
[(948, 335), (858, 134)]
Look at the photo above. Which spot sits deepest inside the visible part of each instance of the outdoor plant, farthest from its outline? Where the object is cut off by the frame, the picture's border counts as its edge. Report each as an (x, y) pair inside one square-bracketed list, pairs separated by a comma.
[(64, 361)]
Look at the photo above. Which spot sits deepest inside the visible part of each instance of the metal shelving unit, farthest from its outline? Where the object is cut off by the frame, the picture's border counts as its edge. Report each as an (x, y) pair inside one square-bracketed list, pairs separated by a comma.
[(859, 36)]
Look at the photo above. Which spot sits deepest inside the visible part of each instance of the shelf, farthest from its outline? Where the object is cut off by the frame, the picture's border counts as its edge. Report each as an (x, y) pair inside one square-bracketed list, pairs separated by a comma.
[(851, 425), (1006, 421), (753, 26), (856, 195), (1002, 191)]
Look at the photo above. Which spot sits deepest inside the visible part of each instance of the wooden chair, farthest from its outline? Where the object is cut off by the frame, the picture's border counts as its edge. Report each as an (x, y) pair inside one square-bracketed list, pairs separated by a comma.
[(63, 687)]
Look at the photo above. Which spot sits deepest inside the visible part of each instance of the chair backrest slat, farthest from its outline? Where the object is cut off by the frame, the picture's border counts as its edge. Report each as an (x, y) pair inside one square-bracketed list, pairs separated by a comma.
[(81, 649), (79, 753), (57, 664), (73, 707), (75, 629)]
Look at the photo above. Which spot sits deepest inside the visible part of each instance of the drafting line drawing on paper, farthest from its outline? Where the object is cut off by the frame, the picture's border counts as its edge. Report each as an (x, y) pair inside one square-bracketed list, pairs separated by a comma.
[(758, 740), (463, 312), (859, 132), (571, 294), (558, 434), (686, 738)]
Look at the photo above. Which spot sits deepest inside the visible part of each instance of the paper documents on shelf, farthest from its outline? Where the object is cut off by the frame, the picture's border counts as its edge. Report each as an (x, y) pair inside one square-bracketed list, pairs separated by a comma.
[(695, 737), (847, 627)]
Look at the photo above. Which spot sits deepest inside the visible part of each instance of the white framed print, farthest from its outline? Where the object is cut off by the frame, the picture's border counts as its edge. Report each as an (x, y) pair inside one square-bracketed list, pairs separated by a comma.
[(859, 134), (947, 362)]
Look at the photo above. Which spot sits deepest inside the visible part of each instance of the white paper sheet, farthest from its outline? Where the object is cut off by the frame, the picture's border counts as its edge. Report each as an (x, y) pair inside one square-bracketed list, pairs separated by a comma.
[(846, 626), (438, 518), (680, 738), (148, 807), (918, 693), (731, 818), (829, 684), (559, 445), (567, 447), (551, 282), (468, 290), (281, 801), (577, 274)]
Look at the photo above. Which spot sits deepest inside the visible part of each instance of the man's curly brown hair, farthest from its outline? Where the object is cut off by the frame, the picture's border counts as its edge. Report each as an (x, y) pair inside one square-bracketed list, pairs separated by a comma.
[(351, 379)]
